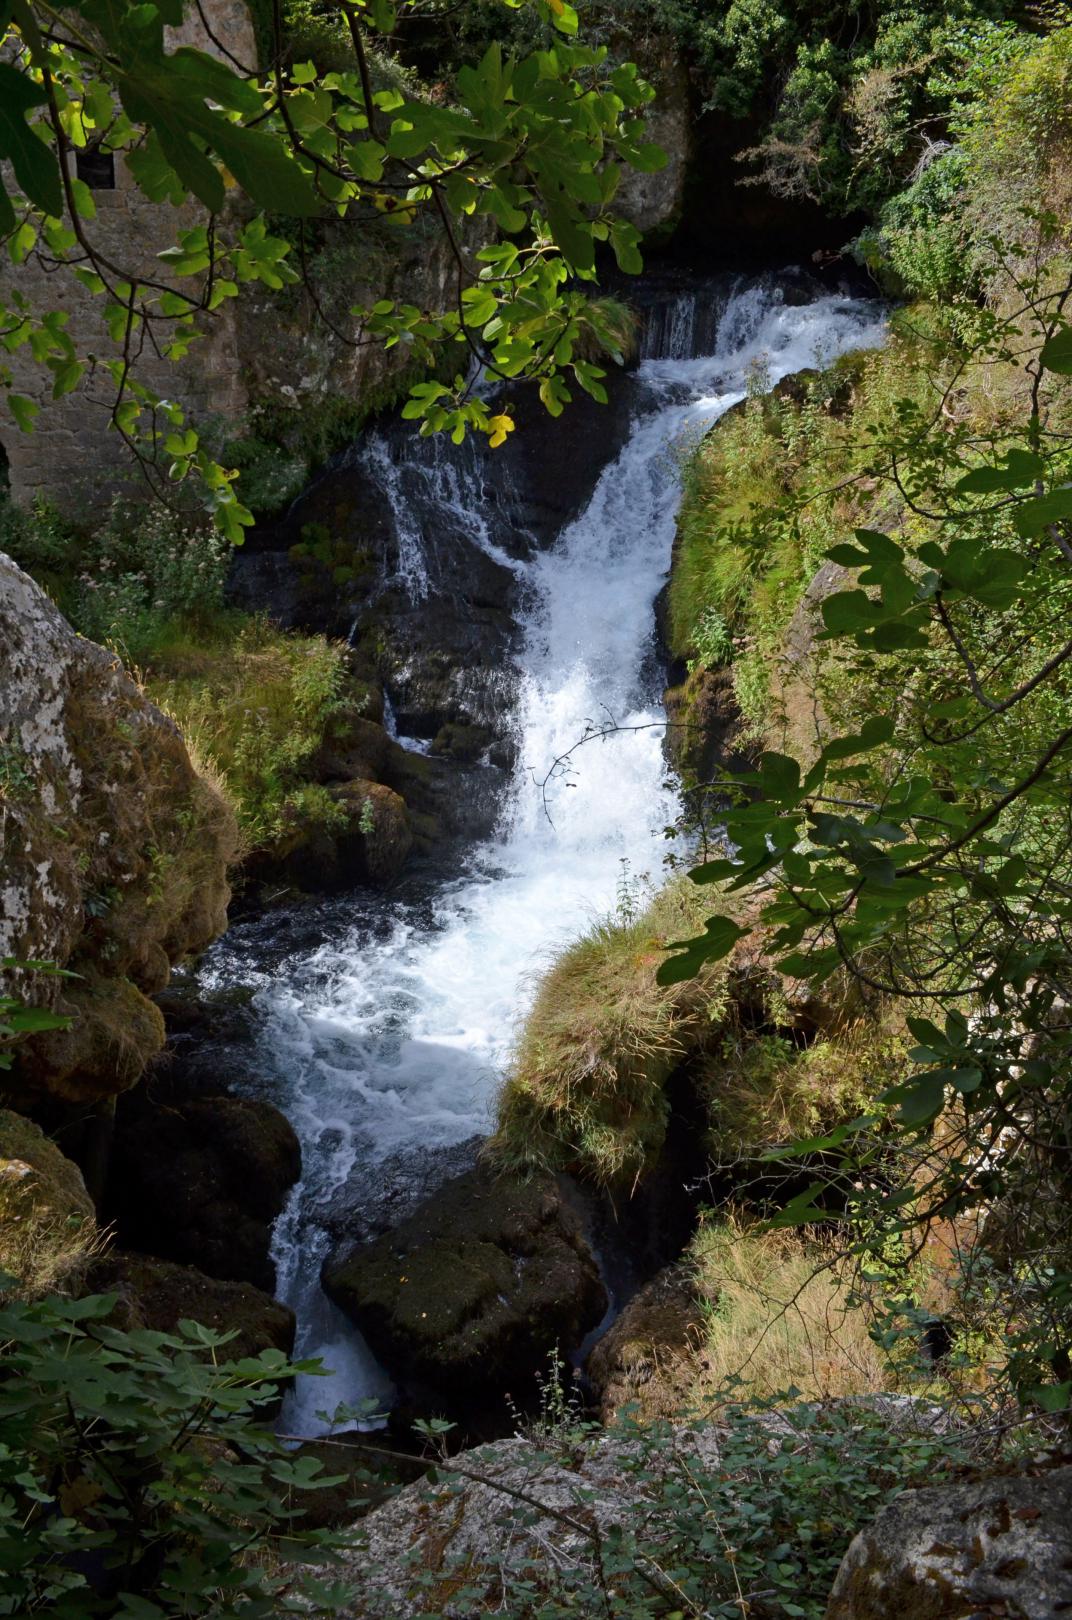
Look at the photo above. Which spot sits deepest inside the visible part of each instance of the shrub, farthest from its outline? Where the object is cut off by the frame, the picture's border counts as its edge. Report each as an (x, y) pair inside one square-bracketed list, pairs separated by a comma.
[(128, 582), (753, 1520), (769, 1090), (136, 1479)]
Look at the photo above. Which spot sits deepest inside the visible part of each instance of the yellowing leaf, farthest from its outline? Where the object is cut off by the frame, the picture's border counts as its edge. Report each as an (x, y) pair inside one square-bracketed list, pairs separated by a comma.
[(498, 428)]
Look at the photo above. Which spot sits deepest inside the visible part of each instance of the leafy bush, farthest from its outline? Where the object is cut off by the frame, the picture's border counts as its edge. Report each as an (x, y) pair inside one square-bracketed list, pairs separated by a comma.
[(765, 1089), (919, 841), (136, 1479), (753, 1519), (129, 581)]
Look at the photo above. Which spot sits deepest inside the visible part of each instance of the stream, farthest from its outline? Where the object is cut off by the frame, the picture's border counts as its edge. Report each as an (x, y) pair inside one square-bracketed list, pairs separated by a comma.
[(384, 1022)]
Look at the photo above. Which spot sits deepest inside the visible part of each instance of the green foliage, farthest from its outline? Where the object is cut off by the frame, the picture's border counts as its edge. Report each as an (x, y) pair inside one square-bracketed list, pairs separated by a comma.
[(766, 1089), (947, 234), (138, 1478), (848, 101), (531, 147), (132, 581), (711, 638), (17, 1018), (256, 705), (760, 1527), (922, 843)]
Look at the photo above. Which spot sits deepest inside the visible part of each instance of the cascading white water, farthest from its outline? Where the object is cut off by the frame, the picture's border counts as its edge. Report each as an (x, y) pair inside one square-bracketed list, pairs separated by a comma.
[(377, 1042)]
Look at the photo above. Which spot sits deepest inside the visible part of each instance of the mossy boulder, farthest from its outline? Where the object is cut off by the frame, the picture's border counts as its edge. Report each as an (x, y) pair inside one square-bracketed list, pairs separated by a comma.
[(47, 1225), (999, 1546), (647, 1359), (470, 1295), (115, 851), (357, 747), (377, 838), (157, 1294), (200, 1179)]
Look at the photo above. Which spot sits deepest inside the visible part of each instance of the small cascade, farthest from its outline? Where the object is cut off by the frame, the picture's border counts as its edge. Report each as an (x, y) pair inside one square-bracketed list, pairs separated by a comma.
[(416, 745), (391, 1036), (440, 499)]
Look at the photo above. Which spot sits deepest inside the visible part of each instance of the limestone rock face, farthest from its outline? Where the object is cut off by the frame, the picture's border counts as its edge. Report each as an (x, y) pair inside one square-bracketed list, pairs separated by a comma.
[(653, 202), (47, 1225), (647, 1358), (990, 1547), (437, 1544), (472, 1293), (114, 851)]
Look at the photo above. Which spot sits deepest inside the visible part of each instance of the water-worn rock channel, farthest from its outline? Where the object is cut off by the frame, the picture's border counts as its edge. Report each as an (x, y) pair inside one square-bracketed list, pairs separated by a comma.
[(381, 1023)]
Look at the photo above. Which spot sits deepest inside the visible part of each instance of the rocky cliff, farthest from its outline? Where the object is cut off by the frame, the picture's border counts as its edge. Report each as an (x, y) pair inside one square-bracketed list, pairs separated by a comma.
[(114, 852)]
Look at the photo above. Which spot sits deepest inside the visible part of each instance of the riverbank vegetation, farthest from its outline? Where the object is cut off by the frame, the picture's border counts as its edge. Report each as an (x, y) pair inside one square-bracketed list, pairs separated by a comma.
[(878, 553), (857, 1005), (256, 705)]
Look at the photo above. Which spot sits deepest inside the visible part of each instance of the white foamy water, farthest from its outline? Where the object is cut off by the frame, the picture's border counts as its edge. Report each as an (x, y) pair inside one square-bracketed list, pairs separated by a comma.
[(379, 1042)]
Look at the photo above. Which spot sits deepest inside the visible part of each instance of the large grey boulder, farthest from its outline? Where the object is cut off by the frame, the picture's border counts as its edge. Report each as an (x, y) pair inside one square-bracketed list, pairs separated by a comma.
[(113, 851), (502, 1514), (972, 1551)]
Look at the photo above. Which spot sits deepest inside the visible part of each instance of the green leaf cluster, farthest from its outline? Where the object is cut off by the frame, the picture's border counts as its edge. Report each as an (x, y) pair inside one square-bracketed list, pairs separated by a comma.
[(138, 1476)]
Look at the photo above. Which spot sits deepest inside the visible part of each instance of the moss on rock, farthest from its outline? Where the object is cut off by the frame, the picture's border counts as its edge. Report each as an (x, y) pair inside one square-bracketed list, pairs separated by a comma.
[(48, 1232), (473, 1291), (115, 850)]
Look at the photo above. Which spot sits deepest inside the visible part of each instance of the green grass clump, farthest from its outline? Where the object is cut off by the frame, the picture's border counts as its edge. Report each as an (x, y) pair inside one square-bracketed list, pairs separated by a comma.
[(256, 705), (767, 493), (586, 1087)]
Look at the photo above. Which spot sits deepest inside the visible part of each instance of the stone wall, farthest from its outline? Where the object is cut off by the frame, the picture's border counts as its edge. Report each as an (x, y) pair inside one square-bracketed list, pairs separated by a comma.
[(73, 443)]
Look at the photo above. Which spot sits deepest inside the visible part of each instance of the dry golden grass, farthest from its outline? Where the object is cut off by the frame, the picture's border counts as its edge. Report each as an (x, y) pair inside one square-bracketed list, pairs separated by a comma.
[(48, 1234), (780, 1317)]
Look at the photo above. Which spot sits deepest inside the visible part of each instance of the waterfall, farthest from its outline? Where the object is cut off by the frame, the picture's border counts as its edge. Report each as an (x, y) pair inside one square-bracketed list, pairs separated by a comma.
[(417, 476), (393, 1033)]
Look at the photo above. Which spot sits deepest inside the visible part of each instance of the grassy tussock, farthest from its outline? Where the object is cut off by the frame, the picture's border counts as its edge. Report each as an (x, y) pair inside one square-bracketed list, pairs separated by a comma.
[(255, 706), (48, 1254), (586, 1085)]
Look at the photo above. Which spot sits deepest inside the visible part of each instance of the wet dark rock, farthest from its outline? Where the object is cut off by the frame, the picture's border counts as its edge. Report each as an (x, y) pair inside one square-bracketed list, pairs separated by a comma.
[(362, 1480), (371, 1203), (746, 226), (471, 1294), (444, 647), (360, 748), (158, 1294), (199, 1178), (466, 743)]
